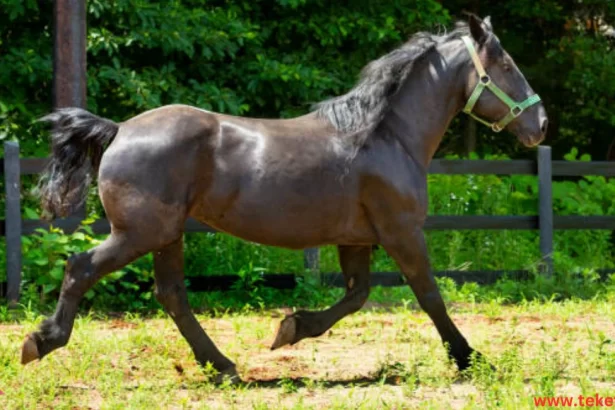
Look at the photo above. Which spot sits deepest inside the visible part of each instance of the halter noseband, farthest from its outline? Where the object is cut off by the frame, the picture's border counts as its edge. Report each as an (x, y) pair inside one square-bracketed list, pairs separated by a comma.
[(484, 81)]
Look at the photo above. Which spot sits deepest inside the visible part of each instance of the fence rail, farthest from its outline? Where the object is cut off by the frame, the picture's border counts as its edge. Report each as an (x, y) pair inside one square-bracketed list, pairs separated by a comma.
[(33, 166), (433, 223), (543, 167)]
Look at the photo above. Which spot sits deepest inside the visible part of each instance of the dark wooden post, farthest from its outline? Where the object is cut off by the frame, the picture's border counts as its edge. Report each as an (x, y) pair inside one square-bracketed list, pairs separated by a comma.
[(545, 205), (69, 58), (69, 54), (311, 262), (12, 223)]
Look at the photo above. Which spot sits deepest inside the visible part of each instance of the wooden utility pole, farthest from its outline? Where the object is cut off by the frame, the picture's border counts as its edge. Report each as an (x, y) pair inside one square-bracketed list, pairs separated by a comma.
[(69, 57), (69, 53)]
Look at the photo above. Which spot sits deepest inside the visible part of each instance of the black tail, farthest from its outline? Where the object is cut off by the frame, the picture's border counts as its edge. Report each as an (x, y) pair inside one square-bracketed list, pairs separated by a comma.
[(76, 136)]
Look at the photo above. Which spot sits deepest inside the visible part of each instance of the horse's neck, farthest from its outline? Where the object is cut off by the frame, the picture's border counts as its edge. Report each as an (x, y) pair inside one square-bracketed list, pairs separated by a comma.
[(432, 95)]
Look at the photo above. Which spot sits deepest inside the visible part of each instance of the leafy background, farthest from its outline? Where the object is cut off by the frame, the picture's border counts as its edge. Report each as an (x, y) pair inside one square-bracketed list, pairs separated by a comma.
[(276, 58)]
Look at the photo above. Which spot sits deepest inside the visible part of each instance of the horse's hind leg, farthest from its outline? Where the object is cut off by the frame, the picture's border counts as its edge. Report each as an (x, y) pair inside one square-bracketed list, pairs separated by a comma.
[(171, 293), (354, 261), (81, 273), (139, 224)]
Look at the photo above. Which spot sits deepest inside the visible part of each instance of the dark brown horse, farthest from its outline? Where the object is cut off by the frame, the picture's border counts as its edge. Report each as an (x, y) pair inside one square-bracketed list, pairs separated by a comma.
[(352, 173)]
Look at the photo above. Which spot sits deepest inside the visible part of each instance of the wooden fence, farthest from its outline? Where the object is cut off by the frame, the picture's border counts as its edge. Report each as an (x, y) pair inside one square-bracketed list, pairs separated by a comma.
[(13, 227)]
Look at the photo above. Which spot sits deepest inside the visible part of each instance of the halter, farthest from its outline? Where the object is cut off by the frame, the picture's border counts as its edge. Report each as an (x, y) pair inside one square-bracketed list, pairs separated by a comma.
[(485, 82)]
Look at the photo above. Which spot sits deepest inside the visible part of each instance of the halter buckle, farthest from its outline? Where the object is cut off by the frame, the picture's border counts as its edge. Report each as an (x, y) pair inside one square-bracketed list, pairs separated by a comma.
[(516, 110)]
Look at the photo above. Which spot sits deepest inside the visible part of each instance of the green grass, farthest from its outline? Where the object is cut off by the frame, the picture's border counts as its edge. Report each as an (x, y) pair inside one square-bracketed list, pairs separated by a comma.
[(386, 356)]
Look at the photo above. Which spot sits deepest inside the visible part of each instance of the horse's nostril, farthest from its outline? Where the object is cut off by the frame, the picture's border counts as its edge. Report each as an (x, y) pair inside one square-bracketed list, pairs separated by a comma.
[(544, 125)]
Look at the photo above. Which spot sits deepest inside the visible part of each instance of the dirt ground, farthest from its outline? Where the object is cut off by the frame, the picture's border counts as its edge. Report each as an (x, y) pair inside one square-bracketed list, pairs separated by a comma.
[(374, 359)]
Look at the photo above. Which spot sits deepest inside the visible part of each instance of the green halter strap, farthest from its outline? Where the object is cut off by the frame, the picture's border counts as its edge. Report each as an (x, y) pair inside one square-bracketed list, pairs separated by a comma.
[(484, 81)]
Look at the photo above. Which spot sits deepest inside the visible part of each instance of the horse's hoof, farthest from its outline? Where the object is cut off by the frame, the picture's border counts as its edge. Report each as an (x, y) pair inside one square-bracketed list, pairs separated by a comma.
[(286, 333), (29, 350), (476, 358), (228, 375)]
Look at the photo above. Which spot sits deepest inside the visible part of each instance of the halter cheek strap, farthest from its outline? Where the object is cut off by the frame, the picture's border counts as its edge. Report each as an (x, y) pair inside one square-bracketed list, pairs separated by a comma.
[(484, 81)]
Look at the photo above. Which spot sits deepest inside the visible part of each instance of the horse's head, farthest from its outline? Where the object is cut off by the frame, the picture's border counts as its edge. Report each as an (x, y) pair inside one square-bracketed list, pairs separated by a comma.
[(498, 95)]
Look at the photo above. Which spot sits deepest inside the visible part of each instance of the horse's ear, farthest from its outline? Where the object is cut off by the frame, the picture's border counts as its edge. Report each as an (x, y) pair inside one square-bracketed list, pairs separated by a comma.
[(479, 29), (487, 23)]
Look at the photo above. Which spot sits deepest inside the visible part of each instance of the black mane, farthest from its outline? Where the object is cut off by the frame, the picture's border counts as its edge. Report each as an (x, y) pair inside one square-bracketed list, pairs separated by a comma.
[(364, 106)]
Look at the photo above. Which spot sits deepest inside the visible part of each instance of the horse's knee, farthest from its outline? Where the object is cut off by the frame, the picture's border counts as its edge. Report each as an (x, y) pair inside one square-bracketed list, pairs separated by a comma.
[(170, 297)]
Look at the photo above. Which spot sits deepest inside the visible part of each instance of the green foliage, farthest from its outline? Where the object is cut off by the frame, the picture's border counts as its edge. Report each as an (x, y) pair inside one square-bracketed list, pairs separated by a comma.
[(44, 259), (246, 58), (45, 254), (211, 254), (274, 59)]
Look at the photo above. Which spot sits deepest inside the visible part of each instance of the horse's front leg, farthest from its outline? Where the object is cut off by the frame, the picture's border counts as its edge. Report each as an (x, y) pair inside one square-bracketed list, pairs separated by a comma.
[(406, 244), (301, 324)]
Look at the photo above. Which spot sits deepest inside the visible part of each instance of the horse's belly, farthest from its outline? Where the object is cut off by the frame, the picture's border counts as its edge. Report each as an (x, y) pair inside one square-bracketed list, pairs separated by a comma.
[(290, 221)]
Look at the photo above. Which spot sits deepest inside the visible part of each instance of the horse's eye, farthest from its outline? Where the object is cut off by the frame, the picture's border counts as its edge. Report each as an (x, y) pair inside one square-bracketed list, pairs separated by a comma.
[(507, 67)]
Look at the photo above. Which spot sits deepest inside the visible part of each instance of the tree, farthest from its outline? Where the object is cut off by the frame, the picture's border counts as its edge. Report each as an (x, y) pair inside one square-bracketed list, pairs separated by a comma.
[(274, 59)]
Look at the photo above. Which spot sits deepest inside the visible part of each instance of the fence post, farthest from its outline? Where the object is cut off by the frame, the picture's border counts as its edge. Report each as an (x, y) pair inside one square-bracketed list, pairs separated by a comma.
[(12, 222), (311, 262), (70, 59), (545, 208), (69, 53)]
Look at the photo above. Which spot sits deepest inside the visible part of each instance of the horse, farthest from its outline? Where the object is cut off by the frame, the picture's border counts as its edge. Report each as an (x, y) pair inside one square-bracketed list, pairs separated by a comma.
[(352, 172)]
